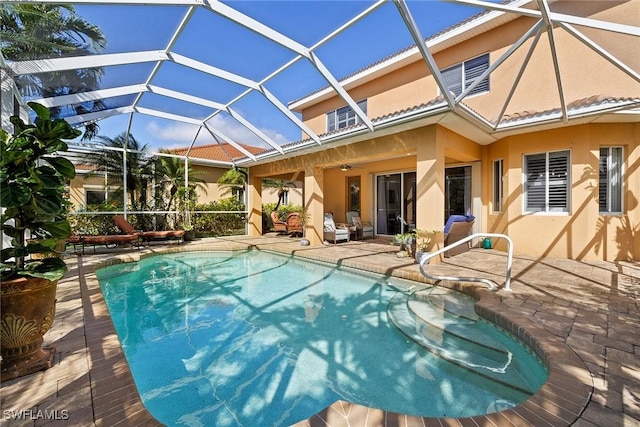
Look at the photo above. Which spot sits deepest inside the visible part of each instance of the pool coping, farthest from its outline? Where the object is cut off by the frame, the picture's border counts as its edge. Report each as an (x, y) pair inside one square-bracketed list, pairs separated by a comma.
[(559, 402)]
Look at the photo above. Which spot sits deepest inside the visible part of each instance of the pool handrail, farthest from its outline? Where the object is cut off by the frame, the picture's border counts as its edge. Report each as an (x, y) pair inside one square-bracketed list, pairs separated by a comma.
[(424, 259)]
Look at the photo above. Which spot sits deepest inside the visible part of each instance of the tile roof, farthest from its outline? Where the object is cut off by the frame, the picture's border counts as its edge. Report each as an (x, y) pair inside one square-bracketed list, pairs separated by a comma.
[(579, 104), (514, 118), (222, 152)]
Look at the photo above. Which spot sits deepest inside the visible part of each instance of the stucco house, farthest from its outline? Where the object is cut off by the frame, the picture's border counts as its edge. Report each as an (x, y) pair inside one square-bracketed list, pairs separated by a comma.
[(526, 116), (542, 147), (91, 187)]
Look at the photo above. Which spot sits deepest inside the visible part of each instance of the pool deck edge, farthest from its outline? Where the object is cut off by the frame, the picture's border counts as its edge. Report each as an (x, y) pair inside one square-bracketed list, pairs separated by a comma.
[(114, 399)]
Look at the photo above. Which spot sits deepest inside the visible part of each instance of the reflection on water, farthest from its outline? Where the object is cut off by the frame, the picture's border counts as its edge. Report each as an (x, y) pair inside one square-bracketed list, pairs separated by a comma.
[(229, 339)]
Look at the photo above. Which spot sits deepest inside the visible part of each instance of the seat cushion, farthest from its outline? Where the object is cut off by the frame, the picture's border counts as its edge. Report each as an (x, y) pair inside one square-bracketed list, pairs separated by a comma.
[(457, 218)]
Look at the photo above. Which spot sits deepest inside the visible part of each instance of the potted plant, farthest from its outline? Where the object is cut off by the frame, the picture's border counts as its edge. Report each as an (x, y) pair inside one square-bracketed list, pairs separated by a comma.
[(305, 217), (34, 212), (423, 242), (406, 241)]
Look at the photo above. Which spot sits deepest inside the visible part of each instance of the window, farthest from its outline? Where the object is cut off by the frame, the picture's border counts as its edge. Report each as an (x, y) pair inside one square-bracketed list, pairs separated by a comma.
[(546, 182), (344, 117), (467, 72), (94, 197), (353, 201), (497, 185), (610, 180)]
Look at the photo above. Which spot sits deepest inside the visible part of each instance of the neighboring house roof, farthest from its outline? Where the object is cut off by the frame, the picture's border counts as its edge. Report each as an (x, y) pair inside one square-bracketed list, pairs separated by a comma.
[(85, 167), (218, 152)]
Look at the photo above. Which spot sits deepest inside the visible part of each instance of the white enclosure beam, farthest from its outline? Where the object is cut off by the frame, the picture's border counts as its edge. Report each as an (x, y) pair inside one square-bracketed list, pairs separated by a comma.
[(341, 91), (58, 101), (217, 133), (98, 115), (247, 124), (184, 97), (89, 61), (116, 2), (419, 40), (257, 26), (602, 52), (521, 71), (275, 101), (211, 70), (168, 116), (544, 8), (555, 17), (500, 60)]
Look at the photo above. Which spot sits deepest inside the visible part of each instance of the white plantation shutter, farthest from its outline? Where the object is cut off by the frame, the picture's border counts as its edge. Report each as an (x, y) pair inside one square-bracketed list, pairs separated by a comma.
[(331, 121), (546, 182), (453, 79), (535, 178), (473, 69), (467, 72), (610, 180), (558, 182)]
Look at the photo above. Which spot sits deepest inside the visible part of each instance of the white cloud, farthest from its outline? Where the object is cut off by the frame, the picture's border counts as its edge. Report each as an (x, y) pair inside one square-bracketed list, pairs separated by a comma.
[(181, 134)]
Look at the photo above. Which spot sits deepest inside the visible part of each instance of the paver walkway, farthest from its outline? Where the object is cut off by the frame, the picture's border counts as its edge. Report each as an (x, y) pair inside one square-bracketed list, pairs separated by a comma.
[(592, 307)]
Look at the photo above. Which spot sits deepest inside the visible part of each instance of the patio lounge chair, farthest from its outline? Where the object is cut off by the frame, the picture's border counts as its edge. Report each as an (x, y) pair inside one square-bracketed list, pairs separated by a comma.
[(126, 227), (294, 224), (457, 227), (364, 229), (108, 240), (333, 232), (279, 226)]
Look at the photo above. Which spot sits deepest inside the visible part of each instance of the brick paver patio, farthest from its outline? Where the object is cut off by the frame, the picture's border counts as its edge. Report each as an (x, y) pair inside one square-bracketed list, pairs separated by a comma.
[(582, 317)]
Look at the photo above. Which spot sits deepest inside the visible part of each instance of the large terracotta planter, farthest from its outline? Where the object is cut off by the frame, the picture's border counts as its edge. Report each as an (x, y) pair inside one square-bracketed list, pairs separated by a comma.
[(28, 308)]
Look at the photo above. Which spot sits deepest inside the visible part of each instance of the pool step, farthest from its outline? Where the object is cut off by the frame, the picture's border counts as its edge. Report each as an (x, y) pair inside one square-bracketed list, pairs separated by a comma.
[(455, 334)]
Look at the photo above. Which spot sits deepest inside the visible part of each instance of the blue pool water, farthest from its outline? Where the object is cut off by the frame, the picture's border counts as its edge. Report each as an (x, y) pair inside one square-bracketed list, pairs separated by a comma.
[(255, 338)]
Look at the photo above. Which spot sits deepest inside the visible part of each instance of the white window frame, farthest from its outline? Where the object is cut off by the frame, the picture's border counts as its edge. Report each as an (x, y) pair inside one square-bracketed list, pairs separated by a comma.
[(94, 188), (546, 209), (614, 180), (351, 118), (454, 82), (498, 186)]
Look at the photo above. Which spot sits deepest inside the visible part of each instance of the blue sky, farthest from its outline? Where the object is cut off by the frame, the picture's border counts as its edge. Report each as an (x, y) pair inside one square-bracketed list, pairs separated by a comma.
[(214, 40)]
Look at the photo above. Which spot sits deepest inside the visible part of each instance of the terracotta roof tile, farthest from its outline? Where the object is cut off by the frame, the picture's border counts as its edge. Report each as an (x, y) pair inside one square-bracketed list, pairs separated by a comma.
[(222, 152), (579, 104)]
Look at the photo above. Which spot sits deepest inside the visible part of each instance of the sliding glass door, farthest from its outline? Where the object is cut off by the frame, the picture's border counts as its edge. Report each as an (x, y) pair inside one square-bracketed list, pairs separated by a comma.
[(395, 203), (457, 191)]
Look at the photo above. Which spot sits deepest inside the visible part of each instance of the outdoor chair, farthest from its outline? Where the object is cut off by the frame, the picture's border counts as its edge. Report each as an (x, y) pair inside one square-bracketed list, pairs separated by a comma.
[(279, 226), (108, 240), (333, 232), (457, 227), (294, 224), (364, 229), (147, 236)]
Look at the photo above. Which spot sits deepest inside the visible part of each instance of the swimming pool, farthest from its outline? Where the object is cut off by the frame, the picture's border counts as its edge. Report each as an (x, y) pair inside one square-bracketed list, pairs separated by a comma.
[(254, 338)]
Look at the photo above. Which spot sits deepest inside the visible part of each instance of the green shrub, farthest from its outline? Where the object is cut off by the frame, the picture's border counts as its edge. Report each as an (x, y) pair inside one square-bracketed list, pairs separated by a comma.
[(220, 223)]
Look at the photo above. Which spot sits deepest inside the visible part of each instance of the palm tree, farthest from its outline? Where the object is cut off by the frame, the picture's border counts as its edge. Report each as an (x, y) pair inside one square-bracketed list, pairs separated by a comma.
[(172, 171), (36, 31), (281, 186), (140, 169), (233, 180)]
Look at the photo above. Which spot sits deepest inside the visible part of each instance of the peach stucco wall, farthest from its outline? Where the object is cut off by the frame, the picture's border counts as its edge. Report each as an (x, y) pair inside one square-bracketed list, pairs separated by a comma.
[(583, 233), (537, 89)]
